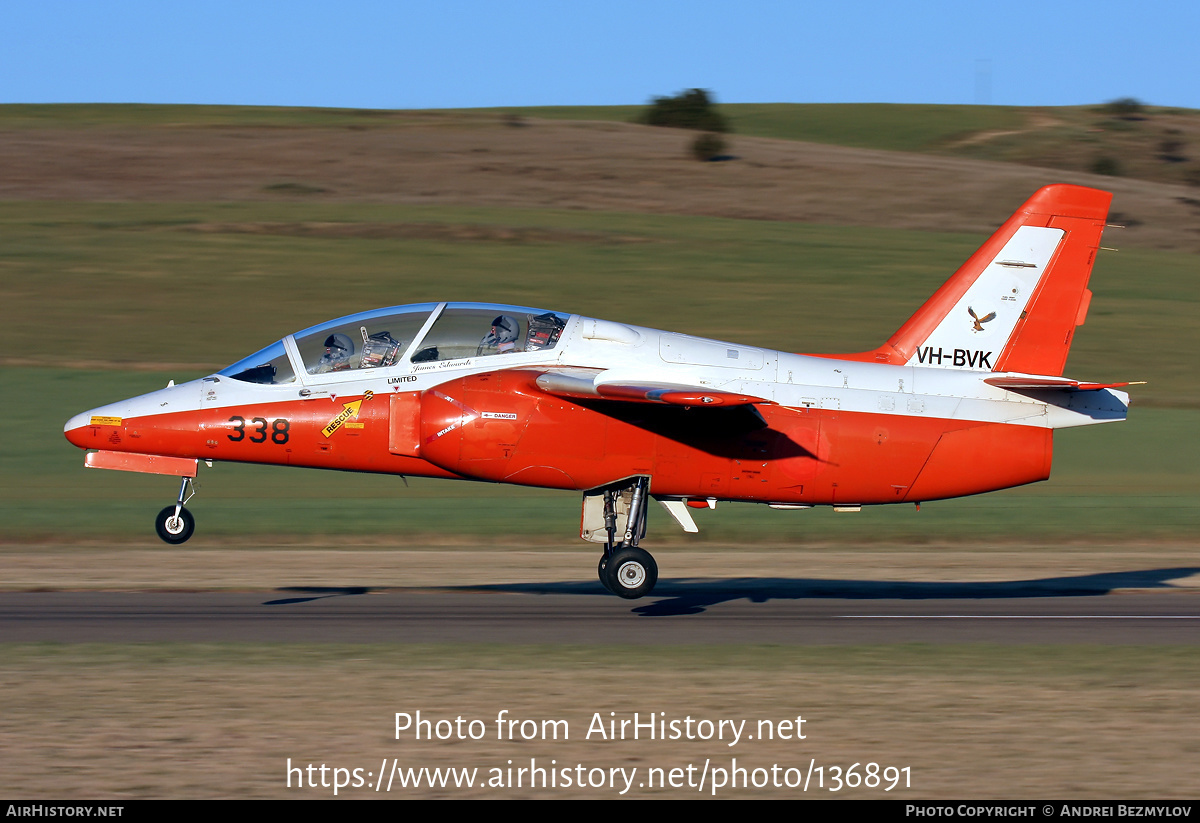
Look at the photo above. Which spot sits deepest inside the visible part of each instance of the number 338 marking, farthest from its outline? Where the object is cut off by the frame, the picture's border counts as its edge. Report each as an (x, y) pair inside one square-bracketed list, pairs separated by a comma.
[(258, 432)]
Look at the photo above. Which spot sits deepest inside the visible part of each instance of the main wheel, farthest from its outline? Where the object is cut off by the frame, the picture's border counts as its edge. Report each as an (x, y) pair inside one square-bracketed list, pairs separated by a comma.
[(631, 573), (602, 570), (174, 529)]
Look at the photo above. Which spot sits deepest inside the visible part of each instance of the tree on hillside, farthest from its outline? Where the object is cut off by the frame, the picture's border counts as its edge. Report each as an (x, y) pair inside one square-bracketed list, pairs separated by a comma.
[(1126, 108), (691, 109)]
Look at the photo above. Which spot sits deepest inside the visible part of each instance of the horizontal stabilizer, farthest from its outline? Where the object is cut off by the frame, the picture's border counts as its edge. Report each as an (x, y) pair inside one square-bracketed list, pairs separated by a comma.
[(1032, 382)]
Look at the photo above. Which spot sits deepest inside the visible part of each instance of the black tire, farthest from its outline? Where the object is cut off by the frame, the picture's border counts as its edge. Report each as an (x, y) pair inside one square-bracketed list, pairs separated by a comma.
[(174, 531), (602, 571), (631, 573)]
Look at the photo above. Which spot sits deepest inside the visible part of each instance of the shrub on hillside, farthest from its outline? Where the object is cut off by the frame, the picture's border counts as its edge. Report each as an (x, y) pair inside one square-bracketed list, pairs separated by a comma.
[(708, 146), (1170, 149)]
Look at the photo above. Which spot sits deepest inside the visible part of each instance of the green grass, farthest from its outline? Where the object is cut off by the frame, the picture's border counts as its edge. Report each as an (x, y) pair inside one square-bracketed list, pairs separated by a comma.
[(871, 126), (1130, 481), (96, 293), (134, 285)]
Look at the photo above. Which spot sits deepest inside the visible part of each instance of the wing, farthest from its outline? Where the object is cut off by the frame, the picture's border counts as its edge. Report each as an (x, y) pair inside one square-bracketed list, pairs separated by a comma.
[(590, 384)]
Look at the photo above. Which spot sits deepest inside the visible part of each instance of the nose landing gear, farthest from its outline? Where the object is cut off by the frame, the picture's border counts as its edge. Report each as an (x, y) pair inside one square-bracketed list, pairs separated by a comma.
[(175, 524)]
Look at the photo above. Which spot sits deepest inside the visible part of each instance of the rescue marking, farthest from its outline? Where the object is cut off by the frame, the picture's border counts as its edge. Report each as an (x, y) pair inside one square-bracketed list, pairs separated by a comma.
[(105, 421), (349, 412)]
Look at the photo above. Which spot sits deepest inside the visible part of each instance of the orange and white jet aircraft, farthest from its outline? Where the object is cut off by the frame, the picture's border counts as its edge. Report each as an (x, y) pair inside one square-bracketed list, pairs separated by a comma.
[(963, 399)]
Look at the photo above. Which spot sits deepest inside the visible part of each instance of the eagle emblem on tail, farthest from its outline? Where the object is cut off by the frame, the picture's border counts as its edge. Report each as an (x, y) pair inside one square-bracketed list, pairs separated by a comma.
[(979, 321)]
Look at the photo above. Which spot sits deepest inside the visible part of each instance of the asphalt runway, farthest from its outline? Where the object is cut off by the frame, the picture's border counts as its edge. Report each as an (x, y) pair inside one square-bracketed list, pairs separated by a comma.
[(1136, 608)]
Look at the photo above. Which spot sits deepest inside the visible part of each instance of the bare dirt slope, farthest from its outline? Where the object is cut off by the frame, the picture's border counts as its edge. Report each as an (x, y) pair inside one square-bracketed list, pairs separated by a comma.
[(478, 160)]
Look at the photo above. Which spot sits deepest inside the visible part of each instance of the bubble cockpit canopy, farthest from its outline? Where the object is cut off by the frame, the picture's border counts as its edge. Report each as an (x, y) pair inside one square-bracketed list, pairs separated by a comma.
[(271, 365), (402, 335)]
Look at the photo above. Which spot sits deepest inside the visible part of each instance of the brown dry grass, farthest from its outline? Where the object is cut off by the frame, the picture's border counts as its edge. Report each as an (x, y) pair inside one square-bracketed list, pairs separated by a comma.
[(103, 722), (559, 165)]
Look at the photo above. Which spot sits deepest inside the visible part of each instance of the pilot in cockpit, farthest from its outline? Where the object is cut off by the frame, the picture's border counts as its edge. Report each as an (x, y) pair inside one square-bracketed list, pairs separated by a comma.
[(502, 338), (339, 348)]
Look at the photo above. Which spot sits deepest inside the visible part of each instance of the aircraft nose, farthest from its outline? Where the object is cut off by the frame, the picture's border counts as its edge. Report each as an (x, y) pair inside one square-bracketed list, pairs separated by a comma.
[(87, 429), (104, 426), (76, 429)]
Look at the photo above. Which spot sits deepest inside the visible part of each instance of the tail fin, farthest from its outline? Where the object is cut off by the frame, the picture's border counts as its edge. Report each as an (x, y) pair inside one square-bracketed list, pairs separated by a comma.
[(1014, 305)]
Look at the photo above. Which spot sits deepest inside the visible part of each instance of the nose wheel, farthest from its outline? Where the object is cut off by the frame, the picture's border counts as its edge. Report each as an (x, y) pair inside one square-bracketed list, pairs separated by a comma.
[(175, 524)]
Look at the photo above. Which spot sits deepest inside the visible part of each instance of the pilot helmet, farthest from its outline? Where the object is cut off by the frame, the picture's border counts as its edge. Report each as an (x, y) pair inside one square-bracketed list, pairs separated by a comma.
[(339, 348), (505, 330)]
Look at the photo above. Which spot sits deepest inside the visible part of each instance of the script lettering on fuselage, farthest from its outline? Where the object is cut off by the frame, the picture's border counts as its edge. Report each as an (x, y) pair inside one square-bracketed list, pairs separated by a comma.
[(929, 356), (442, 364)]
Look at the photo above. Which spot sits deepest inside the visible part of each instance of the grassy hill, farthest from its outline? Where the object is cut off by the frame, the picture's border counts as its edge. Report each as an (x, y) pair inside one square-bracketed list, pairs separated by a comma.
[(1143, 142), (1146, 143)]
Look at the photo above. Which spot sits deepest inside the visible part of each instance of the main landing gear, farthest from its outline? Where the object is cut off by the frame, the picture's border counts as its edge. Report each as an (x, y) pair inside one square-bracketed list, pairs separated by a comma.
[(624, 569), (175, 524)]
